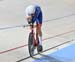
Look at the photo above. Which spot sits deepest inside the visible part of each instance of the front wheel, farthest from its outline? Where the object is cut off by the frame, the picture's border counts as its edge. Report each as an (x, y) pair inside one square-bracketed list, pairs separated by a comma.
[(31, 47)]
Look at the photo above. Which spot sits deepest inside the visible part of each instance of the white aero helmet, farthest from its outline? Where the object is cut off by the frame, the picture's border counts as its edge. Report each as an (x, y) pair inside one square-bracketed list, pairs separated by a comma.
[(30, 9)]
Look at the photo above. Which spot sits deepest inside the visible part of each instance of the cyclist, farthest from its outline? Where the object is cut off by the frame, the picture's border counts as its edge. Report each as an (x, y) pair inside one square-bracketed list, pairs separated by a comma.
[(34, 14)]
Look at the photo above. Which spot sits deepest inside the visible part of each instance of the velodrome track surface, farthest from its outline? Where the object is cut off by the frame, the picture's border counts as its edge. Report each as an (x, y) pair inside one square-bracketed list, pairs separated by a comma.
[(58, 28)]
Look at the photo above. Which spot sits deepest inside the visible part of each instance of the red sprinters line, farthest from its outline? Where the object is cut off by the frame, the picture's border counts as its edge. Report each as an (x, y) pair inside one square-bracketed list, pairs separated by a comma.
[(27, 44), (13, 49)]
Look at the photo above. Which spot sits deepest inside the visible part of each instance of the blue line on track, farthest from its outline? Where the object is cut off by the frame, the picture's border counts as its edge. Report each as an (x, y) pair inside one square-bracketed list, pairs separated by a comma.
[(66, 54)]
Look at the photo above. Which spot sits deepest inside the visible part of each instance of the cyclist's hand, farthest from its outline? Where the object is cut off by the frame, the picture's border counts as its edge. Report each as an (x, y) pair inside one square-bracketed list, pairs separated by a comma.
[(29, 18), (29, 21)]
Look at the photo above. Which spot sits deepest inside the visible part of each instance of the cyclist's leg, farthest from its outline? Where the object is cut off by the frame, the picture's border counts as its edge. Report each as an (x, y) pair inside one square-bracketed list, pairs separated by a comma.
[(39, 31), (39, 48)]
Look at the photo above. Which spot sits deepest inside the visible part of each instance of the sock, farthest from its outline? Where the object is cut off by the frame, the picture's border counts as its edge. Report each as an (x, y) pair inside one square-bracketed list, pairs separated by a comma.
[(40, 40)]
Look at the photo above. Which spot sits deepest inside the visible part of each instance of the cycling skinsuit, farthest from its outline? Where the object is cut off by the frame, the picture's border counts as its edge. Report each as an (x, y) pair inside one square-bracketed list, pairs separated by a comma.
[(38, 17)]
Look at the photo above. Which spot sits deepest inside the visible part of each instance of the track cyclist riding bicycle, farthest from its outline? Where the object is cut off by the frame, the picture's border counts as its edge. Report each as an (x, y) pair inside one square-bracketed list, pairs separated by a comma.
[(34, 14)]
